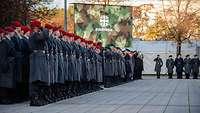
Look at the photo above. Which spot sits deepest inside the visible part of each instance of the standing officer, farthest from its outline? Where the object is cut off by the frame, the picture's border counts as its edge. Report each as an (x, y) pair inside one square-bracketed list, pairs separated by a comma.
[(187, 66), (18, 60), (179, 63), (195, 67), (7, 76), (38, 65), (170, 66), (128, 63), (25, 62), (158, 65)]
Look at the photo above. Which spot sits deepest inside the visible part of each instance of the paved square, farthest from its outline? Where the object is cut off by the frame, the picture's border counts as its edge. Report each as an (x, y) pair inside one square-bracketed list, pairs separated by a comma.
[(142, 96)]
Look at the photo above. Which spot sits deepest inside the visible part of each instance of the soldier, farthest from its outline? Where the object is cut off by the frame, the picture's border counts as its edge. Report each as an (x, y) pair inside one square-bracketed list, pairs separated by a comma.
[(128, 64), (158, 65), (107, 66), (25, 62), (187, 66), (18, 60), (39, 77), (99, 71), (179, 63), (170, 66), (195, 66), (138, 66), (7, 76)]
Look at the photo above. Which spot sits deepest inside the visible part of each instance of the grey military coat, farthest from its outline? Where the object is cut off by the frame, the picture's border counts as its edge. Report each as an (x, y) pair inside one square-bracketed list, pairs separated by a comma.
[(170, 65), (195, 65), (187, 65), (158, 65)]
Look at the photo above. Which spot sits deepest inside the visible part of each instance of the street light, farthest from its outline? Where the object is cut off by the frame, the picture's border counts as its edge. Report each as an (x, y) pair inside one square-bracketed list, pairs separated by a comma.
[(65, 15)]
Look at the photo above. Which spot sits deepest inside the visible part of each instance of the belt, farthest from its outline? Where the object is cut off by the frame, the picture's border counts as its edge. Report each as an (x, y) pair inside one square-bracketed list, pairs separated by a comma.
[(36, 51)]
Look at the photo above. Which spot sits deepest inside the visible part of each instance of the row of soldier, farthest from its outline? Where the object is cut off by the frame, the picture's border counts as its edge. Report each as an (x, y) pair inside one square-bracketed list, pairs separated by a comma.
[(188, 66), (48, 64)]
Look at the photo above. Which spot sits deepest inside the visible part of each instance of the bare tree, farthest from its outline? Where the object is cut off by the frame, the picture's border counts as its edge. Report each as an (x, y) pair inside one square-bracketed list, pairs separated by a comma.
[(182, 20)]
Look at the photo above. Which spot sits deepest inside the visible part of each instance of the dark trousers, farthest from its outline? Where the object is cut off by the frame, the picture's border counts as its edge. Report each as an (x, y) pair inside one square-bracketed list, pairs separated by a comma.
[(7, 95), (170, 75), (187, 75), (158, 74), (195, 75), (36, 88), (179, 75)]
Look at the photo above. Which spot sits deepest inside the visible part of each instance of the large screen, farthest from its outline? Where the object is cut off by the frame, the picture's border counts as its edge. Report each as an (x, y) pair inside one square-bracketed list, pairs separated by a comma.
[(108, 24)]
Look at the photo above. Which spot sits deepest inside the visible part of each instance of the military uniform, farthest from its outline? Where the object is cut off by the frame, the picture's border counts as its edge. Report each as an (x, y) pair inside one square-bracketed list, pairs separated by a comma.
[(129, 66), (195, 67), (7, 76), (187, 67), (25, 66), (138, 67), (39, 76), (158, 65), (170, 67), (179, 63)]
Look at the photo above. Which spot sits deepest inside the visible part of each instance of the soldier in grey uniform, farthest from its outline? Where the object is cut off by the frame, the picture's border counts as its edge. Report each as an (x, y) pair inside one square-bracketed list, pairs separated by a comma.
[(39, 77), (195, 66), (170, 66), (187, 66), (158, 65)]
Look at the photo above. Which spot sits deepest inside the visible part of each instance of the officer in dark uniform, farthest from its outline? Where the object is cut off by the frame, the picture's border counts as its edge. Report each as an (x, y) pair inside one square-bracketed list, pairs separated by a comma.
[(7, 76), (158, 65), (187, 66), (195, 66), (179, 63), (170, 66)]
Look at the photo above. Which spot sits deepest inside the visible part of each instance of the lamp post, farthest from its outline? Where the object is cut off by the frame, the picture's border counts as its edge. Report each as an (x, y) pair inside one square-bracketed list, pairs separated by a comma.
[(65, 15)]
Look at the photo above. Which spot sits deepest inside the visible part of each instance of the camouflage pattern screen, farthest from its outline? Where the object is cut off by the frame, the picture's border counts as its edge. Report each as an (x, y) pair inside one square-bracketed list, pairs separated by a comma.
[(108, 24)]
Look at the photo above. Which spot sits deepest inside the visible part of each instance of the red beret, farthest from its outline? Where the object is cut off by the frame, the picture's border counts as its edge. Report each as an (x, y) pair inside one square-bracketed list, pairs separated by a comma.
[(82, 40), (76, 37), (1, 30), (94, 44), (25, 29), (55, 28), (16, 24), (98, 47), (35, 23), (62, 31), (99, 43), (89, 41), (48, 26), (9, 29)]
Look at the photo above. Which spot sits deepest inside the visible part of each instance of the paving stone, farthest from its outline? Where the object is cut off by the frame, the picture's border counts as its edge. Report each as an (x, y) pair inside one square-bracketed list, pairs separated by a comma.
[(149, 95), (152, 109), (177, 109)]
